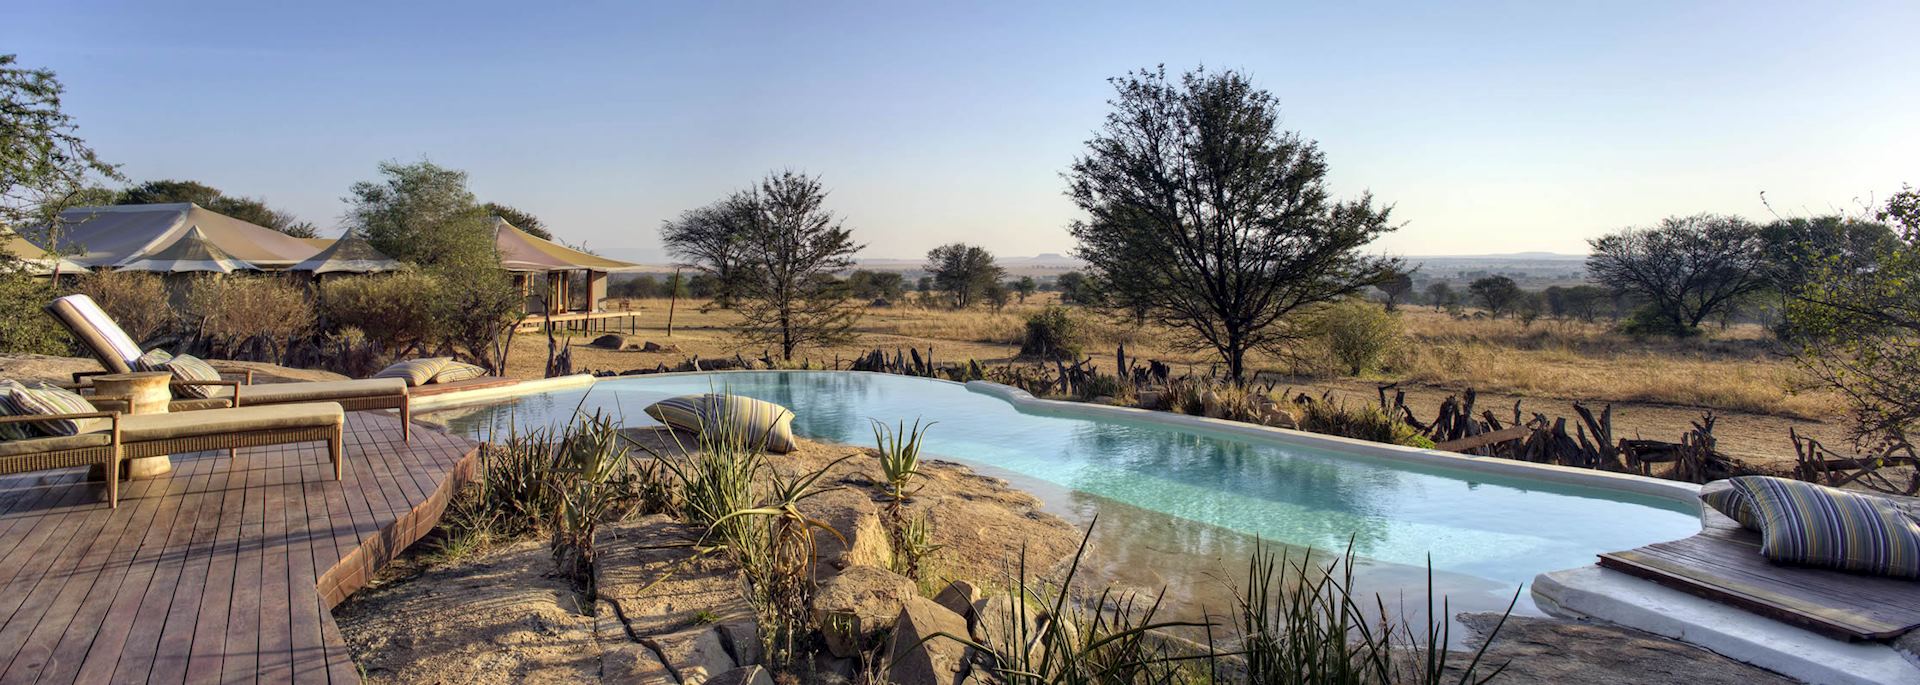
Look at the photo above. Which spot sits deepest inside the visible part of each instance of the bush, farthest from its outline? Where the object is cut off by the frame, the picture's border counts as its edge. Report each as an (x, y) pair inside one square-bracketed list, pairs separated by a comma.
[(1053, 333), (475, 310), (1369, 422), (258, 316), (1358, 334), (23, 327), (394, 311), (1648, 321), (136, 300)]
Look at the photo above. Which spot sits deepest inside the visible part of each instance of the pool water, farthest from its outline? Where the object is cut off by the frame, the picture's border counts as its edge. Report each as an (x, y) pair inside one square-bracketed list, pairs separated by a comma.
[(1178, 504)]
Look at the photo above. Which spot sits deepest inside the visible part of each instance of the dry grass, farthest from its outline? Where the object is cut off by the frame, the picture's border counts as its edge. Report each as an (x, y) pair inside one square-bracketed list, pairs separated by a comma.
[(1732, 370)]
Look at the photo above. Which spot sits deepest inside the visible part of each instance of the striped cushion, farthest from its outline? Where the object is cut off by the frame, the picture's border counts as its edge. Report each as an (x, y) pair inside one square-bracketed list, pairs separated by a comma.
[(760, 423), (1729, 500), (12, 431), (457, 371), (103, 326), (415, 371), (48, 399), (1813, 525), (154, 360), (187, 367)]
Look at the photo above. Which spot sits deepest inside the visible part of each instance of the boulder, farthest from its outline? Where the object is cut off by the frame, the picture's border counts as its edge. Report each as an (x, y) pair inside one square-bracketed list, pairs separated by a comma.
[(958, 597), (1210, 405), (854, 515), (1002, 620), (742, 640), (1151, 399), (693, 655), (631, 663), (1281, 418), (918, 656), (1103, 399), (744, 675), (617, 341), (853, 607), (657, 347)]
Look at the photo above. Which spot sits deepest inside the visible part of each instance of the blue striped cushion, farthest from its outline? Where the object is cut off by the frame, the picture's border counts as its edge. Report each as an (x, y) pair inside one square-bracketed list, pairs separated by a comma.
[(49, 399), (1729, 500), (1813, 525), (759, 423)]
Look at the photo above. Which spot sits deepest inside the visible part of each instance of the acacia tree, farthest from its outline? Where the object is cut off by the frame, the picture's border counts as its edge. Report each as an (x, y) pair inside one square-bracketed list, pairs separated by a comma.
[(1396, 285), (1498, 294), (1686, 269), (1859, 329), (710, 239), (1194, 183), (1025, 287), (964, 272), (1441, 295), (520, 219), (789, 251)]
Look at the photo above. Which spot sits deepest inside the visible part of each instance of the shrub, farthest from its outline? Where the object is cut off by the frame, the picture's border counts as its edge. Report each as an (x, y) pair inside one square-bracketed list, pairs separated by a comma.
[(1358, 334), (23, 328), (136, 300), (1053, 333), (1648, 321), (475, 310), (394, 311), (260, 315), (1369, 422)]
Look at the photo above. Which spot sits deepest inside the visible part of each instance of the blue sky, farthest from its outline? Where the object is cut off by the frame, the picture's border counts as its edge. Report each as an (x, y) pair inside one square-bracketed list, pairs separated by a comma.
[(1492, 127)]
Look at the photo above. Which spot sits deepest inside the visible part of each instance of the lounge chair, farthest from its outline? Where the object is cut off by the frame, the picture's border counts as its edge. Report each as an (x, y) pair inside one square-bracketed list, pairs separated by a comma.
[(151, 435), (117, 351)]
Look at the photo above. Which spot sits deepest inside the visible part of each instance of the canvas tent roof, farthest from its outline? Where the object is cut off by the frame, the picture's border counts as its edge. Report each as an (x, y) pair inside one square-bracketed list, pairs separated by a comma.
[(35, 259), (350, 254), (523, 251), (192, 252), (114, 234)]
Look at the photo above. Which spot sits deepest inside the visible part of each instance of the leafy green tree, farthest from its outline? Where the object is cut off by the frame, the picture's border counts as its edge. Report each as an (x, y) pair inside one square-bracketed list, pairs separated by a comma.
[(1024, 287), (1859, 330), (964, 272), (521, 220), (789, 251), (709, 239), (1076, 288), (1396, 285), (871, 285), (45, 167), (1498, 294), (1584, 302), (250, 210), (1686, 269), (1441, 296), (1193, 181)]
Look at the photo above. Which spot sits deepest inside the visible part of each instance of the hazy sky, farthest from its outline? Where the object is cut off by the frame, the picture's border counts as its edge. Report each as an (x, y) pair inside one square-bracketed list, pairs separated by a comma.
[(1492, 127)]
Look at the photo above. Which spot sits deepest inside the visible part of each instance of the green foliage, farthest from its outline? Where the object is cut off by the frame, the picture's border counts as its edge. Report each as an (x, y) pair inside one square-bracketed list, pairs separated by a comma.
[(1357, 334), (248, 316), (1441, 296), (712, 240), (1584, 302), (877, 285), (1077, 288), (475, 310), (1367, 422), (1858, 331), (966, 273), (44, 165), (1498, 294), (899, 449), (591, 481), (395, 311), (1686, 269), (1024, 287), (1053, 333), (424, 214), (1105, 385), (1208, 217), (251, 210), (24, 327), (790, 251), (520, 219)]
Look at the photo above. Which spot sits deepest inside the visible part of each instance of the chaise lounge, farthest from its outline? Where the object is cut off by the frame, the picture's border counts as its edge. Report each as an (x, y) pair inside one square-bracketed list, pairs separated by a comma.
[(117, 352), (149, 435)]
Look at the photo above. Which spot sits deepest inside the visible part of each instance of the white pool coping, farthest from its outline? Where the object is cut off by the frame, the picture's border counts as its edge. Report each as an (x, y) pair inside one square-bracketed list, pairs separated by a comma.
[(504, 392)]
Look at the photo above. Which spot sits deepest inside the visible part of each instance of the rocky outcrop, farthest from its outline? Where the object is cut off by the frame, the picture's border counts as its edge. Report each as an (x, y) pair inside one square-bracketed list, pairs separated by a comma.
[(853, 607), (744, 675), (958, 597), (920, 655), (619, 342), (852, 513), (693, 655)]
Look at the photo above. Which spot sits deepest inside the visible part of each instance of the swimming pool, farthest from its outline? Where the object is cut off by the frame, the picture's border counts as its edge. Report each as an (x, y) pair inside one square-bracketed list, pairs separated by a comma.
[(1189, 490)]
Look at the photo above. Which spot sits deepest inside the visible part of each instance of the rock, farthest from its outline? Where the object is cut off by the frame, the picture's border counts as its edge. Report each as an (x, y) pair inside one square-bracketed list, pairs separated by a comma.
[(1151, 399), (617, 341), (958, 597), (1210, 405), (1546, 650), (1002, 620), (742, 639), (645, 570), (657, 347), (853, 607), (744, 675), (631, 663), (854, 515), (1281, 418), (917, 656), (1103, 399), (692, 655)]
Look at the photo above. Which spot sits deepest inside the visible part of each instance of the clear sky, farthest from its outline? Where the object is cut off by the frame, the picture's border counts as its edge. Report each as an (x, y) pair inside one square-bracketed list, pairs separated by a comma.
[(1492, 127)]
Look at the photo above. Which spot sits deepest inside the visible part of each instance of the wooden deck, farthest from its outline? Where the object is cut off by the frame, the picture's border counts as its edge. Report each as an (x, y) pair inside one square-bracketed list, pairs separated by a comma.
[(1723, 563), (223, 571)]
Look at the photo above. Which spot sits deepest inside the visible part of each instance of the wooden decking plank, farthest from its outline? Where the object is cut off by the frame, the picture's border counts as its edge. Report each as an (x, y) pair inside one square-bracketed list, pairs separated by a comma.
[(143, 638), (243, 615), (307, 489), (276, 630), (175, 646), (103, 657), (206, 656), (48, 604), (70, 652), (29, 563)]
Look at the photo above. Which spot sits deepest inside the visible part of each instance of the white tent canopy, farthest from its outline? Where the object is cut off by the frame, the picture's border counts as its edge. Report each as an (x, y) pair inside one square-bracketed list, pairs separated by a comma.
[(112, 235), (192, 252), (350, 254)]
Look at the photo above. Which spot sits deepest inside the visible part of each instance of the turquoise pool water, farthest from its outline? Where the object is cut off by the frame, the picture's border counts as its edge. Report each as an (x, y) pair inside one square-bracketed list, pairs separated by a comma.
[(1171, 495)]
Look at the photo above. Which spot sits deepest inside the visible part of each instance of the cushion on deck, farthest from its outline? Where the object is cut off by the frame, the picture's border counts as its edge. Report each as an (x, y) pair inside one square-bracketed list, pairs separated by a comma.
[(12, 431), (154, 360), (187, 367), (93, 327), (1814, 525), (455, 372), (15, 448), (318, 391), (1729, 500), (145, 427), (49, 399), (729, 417), (415, 371)]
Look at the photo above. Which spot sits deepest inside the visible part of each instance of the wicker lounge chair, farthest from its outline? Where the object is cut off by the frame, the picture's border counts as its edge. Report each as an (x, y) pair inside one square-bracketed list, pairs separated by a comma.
[(152, 435), (116, 351)]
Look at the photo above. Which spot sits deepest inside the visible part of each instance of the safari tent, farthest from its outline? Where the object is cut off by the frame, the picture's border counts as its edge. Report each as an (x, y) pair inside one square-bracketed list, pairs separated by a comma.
[(112, 235)]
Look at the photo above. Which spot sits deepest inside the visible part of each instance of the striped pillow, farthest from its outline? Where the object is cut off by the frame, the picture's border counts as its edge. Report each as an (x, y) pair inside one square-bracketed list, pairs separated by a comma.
[(154, 360), (415, 371), (48, 399), (1813, 525), (187, 367), (457, 371), (761, 424), (1729, 500), (12, 431)]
